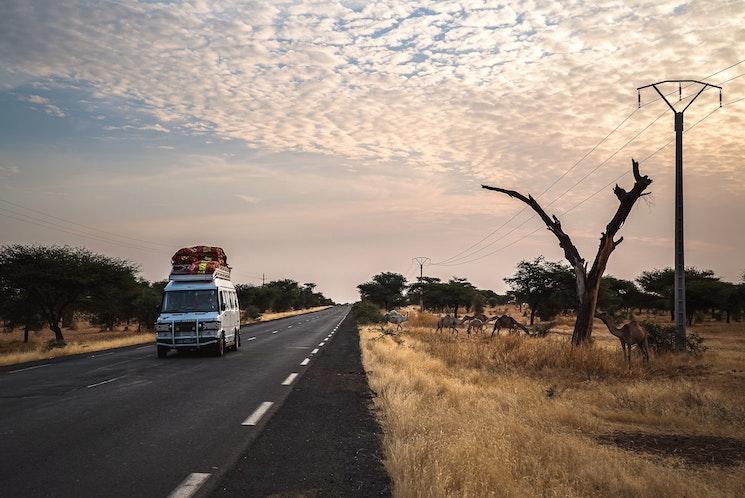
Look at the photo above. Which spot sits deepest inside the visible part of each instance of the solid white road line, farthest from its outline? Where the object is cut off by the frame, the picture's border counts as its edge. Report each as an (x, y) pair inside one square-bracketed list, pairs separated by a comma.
[(251, 338), (104, 382), (314, 351), (190, 485), (289, 379), (30, 368), (258, 413), (304, 362)]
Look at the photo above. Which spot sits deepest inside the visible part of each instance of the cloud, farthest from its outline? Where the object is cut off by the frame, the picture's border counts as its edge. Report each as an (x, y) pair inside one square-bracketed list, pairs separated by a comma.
[(6, 171), (248, 199), (509, 93), (44, 103)]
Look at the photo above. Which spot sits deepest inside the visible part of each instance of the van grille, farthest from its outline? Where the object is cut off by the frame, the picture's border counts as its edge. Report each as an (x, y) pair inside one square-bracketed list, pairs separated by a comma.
[(185, 328)]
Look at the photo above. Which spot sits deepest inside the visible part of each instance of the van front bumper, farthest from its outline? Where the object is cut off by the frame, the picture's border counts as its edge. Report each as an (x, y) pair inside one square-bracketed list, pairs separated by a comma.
[(186, 342)]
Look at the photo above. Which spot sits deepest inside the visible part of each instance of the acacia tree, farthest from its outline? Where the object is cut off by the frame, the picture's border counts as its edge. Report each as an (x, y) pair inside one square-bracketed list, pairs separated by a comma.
[(545, 286), (588, 282), (55, 281), (385, 289)]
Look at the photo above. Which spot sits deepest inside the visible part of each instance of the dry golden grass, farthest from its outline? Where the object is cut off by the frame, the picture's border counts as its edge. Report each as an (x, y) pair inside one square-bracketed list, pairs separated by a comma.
[(520, 416), (38, 351), (285, 314)]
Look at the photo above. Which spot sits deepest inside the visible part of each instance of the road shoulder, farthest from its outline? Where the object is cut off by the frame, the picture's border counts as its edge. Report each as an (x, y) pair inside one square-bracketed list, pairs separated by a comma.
[(324, 441)]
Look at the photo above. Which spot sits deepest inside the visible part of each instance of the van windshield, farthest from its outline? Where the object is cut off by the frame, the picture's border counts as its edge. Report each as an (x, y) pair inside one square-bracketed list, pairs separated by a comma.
[(185, 301)]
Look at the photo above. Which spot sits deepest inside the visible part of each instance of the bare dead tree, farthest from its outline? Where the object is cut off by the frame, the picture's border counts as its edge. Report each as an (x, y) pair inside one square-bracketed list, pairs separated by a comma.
[(588, 283)]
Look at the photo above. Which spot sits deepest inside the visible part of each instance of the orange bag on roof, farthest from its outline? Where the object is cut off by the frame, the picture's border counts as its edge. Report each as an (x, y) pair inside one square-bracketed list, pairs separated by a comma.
[(185, 255), (203, 267)]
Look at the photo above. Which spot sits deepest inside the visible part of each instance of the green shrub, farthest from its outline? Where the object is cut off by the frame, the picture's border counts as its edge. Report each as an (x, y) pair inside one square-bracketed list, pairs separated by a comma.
[(541, 329), (366, 312), (253, 312), (662, 339), (53, 344)]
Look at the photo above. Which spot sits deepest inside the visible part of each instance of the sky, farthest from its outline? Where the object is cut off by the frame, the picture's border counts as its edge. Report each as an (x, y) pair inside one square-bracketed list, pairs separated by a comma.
[(329, 141)]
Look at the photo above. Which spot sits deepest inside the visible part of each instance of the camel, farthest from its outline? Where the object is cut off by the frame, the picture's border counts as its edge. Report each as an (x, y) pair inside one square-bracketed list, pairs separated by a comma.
[(474, 323), (396, 317), (448, 322), (630, 334), (507, 322)]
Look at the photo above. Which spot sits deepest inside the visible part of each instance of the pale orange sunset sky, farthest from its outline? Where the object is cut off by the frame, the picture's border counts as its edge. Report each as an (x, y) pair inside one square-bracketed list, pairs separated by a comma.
[(327, 141)]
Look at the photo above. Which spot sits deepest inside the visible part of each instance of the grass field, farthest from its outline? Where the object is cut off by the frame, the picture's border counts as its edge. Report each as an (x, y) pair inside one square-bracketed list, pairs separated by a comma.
[(522, 416), (84, 339)]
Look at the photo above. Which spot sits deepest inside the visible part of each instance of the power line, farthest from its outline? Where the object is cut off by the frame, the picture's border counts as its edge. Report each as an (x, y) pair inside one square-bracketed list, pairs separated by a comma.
[(598, 166), (24, 218), (522, 210), (594, 193), (87, 227)]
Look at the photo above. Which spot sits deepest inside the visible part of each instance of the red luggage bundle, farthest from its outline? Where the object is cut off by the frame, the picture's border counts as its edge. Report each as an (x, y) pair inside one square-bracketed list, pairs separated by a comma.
[(203, 267), (198, 260)]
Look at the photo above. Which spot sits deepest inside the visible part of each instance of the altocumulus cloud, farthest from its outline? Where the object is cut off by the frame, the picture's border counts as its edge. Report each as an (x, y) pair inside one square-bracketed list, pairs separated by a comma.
[(467, 86)]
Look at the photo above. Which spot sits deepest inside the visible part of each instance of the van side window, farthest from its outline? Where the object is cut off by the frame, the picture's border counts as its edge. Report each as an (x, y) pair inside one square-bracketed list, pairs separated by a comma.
[(235, 300)]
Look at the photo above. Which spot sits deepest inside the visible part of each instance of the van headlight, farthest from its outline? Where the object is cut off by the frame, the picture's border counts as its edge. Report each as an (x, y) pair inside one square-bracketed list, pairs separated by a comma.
[(162, 327), (209, 325)]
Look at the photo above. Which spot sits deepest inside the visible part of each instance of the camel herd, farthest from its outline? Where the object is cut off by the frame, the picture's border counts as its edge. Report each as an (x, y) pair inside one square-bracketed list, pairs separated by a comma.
[(478, 322), (630, 334)]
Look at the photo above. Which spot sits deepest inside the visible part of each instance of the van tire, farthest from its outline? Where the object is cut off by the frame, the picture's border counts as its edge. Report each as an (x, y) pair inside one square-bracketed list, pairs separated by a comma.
[(162, 351), (236, 341), (220, 346)]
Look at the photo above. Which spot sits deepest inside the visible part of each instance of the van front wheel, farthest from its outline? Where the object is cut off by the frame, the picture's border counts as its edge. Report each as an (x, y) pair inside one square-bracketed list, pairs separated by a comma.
[(220, 346)]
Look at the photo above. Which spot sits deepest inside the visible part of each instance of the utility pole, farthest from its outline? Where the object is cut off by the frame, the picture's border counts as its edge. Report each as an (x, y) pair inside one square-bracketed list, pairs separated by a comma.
[(263, 279), (680, 292), (421, 261)]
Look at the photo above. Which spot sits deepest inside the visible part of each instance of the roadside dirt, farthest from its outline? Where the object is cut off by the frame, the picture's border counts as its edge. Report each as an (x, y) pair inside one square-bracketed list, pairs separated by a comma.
[(701, 450), (324, 440)]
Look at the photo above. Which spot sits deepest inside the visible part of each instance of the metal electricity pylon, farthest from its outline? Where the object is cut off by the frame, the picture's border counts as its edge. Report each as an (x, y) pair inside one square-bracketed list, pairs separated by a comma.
[(680, 293), (421, 261)]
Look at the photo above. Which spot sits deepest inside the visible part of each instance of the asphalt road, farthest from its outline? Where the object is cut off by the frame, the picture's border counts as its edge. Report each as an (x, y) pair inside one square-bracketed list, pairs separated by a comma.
[(124, 423)]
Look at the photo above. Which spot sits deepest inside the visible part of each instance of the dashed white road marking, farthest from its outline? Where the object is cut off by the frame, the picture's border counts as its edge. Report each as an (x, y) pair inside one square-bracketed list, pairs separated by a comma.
[(30, 368), (289, 326), (190, 485), (305, 362), (104, 382), (275, 331), (258, 413), (314, 351), (252, 338), (321, 344), (289, 379)]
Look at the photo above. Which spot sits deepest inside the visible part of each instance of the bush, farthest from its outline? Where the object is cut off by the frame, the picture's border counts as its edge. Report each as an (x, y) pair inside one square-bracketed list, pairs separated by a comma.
[(253, 312), (662, 339), (54, 344), (366, 312), (541, 329)]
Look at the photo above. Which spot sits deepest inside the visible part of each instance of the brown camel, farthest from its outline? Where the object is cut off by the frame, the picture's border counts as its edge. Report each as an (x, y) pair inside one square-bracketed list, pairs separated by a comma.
[(474, 323), (631, 334), (448, 322), (507, 322)]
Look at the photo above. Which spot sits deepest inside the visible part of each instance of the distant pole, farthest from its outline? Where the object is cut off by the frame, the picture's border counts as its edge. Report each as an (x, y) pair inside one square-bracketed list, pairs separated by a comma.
[(680, 289), (263, 279), (421, 260)]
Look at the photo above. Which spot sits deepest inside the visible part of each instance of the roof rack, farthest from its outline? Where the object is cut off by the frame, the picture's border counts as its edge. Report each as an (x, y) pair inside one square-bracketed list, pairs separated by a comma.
[(178, 274)]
